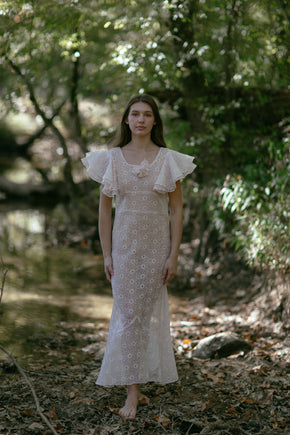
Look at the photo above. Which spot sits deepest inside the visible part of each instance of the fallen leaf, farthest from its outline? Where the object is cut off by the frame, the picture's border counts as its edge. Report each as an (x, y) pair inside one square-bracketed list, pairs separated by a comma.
[(26, 412), (245, 399), (204, 405), (232, 410), (114, 410), (187, 341), (162, 420)]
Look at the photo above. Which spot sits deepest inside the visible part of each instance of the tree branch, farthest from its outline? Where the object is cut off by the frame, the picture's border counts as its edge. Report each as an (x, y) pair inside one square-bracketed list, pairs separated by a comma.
[(74, 104), (45, 420), (42, 129), (48, 122)]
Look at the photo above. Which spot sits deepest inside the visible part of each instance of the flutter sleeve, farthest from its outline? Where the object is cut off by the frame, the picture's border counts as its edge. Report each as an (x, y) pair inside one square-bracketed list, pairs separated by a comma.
[(100, 167), (174, 168)]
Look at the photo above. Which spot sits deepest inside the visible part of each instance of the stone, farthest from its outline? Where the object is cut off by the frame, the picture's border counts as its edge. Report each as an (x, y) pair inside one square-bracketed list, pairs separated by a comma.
[(220, 345)]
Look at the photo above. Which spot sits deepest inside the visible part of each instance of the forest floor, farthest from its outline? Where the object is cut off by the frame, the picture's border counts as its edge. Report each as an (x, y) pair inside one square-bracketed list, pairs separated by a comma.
[(237, 395)]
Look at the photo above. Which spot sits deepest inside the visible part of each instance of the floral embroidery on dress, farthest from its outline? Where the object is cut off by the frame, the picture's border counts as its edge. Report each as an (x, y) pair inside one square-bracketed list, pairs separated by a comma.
[(139, 347), (142, 170)]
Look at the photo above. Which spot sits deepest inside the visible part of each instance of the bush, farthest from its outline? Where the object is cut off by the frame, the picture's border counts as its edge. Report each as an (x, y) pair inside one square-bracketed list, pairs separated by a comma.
[(251, 210)]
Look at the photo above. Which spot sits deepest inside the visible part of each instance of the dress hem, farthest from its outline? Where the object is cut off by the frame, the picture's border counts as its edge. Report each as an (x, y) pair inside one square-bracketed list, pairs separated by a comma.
[(119, 384)]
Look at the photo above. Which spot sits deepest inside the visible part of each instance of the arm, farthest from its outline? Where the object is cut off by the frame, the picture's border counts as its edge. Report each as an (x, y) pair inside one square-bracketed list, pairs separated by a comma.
[(175, 204), (105, 233)]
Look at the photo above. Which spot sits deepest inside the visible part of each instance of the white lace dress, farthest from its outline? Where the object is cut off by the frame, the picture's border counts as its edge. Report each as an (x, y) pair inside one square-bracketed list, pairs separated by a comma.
[(139, 347)]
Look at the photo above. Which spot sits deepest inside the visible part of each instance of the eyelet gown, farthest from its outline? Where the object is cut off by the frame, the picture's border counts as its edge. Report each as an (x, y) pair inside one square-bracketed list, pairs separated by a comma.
[(139, 347)]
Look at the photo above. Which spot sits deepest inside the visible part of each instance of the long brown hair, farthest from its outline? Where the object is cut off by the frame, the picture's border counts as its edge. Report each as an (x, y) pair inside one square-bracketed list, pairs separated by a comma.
[(124, 135)]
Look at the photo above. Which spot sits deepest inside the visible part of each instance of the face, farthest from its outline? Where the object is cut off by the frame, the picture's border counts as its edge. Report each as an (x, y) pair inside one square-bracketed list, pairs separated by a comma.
[(140, 119)]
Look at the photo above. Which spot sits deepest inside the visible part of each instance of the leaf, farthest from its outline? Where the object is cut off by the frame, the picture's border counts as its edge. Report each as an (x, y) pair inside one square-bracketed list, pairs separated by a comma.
[(232, 410), (204, 405), (27, 412), (245, 399), (163, 420), (114, 410), (187, 341)]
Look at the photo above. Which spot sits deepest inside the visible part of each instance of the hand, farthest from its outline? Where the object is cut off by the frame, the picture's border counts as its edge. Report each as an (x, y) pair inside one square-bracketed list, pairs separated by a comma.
[(169, 270), (108, 264)]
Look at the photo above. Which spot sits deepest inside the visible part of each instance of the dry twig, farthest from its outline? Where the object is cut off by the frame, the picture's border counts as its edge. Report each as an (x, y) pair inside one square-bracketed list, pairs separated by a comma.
[(5, 271), (31, 388)]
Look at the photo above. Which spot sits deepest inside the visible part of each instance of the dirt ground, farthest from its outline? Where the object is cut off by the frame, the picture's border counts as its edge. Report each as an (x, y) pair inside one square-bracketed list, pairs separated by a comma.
[(237, 395)]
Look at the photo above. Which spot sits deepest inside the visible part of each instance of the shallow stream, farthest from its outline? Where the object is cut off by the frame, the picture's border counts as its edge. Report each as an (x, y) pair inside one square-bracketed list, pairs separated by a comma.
[(45, 284)]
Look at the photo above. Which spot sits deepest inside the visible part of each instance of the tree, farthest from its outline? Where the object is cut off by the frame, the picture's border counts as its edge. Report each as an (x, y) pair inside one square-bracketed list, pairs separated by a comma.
[(218, 68)]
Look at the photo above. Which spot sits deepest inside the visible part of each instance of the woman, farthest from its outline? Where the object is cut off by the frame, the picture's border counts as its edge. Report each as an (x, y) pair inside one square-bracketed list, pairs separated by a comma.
[(140, 254)]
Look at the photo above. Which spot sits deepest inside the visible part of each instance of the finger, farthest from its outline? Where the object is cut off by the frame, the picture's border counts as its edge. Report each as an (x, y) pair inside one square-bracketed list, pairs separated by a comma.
[(166, 281), (169, 277), (109, 273), (165, 270), (108, 276), (164, 274)]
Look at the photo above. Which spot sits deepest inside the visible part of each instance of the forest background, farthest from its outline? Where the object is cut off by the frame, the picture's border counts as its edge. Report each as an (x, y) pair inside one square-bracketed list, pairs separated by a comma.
[(219, 70), (220, 73)]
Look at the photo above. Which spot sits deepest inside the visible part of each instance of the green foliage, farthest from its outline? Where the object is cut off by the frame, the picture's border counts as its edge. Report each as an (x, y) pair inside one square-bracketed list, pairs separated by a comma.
[(252, 210), (155, 45), (218, 68)]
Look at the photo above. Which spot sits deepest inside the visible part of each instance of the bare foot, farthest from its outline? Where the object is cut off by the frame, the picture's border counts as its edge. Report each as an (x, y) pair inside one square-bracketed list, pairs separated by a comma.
[(134, 398)]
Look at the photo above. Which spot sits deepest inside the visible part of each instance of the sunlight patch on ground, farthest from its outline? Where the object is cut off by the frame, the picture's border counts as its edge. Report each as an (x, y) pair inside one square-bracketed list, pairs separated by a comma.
[(94, 306)]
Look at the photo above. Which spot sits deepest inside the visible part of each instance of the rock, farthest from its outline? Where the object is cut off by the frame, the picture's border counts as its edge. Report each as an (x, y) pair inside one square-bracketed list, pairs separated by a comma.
[(220, 345)]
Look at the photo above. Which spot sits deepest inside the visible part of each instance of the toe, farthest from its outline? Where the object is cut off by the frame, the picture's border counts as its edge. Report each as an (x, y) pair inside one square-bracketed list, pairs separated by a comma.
[(127, 413)]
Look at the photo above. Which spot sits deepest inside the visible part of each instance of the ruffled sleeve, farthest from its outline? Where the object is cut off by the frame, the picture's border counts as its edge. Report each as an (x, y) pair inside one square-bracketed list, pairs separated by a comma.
[(100, 167), (174, 168)]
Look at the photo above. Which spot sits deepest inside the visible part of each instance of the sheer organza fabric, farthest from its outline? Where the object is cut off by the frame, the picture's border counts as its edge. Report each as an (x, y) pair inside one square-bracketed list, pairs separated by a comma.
[(139, 347)]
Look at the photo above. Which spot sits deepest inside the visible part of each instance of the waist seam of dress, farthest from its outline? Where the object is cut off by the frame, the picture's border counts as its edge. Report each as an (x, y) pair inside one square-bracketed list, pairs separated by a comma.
[(142, 212)]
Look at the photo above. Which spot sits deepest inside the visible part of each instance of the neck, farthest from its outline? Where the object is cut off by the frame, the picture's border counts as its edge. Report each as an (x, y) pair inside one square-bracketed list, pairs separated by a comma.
[(141, 142)]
